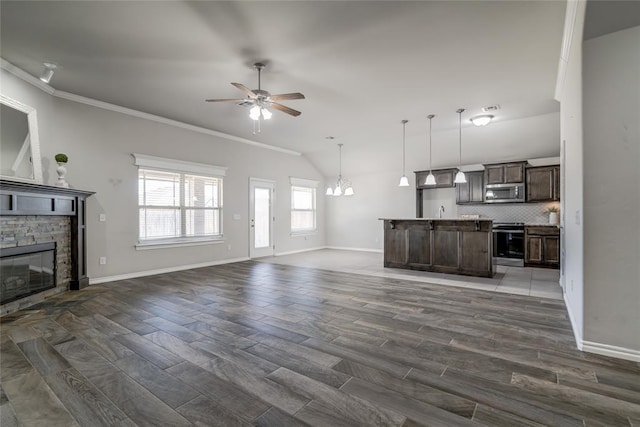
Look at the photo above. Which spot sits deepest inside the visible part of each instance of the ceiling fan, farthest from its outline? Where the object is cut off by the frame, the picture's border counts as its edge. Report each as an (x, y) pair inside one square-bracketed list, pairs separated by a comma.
[(260, 100)]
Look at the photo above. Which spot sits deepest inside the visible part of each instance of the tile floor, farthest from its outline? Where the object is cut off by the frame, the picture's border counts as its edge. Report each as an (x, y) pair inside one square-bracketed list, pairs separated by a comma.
[(536, 282)]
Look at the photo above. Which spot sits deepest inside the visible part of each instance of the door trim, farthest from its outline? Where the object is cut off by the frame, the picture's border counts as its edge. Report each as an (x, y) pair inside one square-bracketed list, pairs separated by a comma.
[(272, 184)]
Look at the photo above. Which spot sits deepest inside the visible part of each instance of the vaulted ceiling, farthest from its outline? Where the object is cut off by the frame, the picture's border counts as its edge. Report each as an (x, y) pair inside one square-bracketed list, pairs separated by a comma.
[(363, 66)]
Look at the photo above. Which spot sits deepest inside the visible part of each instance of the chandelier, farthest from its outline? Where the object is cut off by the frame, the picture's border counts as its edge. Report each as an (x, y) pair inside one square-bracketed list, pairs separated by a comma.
[(343, 186)]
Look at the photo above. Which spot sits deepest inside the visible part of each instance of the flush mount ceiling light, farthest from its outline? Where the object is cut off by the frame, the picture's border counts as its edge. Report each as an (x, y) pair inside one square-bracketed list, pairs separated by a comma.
[(460, 178), (482, 120), (431, 180), (260, 101), (48, 71), (343, 186), (404, 181)]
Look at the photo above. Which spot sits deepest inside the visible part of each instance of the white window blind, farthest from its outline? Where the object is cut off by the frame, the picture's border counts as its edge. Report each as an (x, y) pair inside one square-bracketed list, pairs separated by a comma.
[(176, 206), (303, 209)]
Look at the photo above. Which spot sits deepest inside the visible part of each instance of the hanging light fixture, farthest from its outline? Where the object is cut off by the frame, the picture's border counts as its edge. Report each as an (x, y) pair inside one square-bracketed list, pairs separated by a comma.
[(404, 181), (431, 180), (460, 178), (343, 186), (48, 71)]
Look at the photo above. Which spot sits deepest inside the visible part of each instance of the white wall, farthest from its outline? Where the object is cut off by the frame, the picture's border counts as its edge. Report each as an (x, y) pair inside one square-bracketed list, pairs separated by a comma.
[(611, 99), (352, 222), (99, 144), (572, 169)]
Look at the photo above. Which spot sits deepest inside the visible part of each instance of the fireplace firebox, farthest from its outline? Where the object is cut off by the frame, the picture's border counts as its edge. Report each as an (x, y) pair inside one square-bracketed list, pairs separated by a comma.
[(27, 270)]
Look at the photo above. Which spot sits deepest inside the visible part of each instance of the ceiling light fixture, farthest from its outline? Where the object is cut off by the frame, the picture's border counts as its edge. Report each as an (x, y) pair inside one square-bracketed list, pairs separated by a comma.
[(482, 120), (48, 71), (404, 181), (343, 186), (460, 178), (431, 179)]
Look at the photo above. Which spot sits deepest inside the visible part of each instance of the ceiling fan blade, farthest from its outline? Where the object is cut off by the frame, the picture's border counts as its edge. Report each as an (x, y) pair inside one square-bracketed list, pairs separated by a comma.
[(224, 100), (285, 109), (245, 90), (284, 96)]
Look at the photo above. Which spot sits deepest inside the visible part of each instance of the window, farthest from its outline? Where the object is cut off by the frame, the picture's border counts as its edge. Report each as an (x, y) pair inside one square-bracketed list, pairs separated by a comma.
[(178, 206), (303, 205)]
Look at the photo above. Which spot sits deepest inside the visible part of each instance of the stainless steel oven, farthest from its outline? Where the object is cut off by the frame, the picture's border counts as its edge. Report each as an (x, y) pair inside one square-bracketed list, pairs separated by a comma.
[(508, 243)]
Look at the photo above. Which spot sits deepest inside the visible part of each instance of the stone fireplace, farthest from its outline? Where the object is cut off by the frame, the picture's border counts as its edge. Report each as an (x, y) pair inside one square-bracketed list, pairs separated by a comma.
[(42, 243)]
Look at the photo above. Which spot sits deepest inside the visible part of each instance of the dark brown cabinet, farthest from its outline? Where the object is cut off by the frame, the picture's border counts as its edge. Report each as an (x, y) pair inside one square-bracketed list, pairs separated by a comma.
[(504, 173), (471, 191), (543, 184), (444, 178), (542, 246), (442, 245)]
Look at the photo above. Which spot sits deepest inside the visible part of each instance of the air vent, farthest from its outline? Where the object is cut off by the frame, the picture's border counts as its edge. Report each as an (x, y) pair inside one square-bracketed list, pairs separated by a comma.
[(490, 108)]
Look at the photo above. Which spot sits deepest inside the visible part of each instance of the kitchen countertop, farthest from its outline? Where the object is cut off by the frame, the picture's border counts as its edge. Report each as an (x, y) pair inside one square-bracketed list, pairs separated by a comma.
[(435, 219)]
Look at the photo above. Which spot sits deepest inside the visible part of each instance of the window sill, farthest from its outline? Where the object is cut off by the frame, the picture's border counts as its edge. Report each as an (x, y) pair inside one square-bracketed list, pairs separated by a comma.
[(303, 233), (177, 243)]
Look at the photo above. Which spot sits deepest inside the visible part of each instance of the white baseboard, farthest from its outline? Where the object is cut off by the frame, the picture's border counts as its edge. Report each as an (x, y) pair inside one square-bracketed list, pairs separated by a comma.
[(577, 335), (611, 350), (126, 276), (596, 347), (317, 248), (341, 248)]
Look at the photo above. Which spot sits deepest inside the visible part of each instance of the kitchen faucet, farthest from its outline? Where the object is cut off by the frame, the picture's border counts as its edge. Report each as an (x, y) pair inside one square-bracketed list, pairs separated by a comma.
[(440, 211)]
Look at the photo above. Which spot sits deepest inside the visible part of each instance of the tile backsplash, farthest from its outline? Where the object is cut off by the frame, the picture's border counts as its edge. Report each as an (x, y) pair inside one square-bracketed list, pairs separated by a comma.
[(529, 213)]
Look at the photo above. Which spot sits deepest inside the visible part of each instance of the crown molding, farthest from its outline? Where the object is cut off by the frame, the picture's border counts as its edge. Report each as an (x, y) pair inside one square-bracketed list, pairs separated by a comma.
[(573, 22), (23, 75)]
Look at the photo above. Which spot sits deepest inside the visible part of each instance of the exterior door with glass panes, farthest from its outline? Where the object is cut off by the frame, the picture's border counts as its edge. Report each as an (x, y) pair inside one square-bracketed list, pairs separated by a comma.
[(262, 218)]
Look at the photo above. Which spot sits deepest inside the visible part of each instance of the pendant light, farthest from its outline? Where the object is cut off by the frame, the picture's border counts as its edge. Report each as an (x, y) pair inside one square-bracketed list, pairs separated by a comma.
[(404, 181), (460, 178), (343, 186), (431, 180)]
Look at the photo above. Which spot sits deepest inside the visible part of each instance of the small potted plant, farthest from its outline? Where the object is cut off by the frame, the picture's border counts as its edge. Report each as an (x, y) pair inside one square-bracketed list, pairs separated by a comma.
[(554, 219), (61, 160)]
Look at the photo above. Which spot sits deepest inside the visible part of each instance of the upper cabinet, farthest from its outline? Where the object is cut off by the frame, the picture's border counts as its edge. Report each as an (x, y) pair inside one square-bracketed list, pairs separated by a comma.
[(471, 191), (504, 173), (543, 184), (444, 178)]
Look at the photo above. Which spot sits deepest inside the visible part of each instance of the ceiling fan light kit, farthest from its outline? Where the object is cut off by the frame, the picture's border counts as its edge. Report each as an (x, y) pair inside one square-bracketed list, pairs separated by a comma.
[(260, 100)]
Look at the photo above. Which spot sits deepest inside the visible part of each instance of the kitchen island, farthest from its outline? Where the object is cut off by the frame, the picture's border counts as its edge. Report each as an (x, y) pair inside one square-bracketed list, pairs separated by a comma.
[(454, 246)]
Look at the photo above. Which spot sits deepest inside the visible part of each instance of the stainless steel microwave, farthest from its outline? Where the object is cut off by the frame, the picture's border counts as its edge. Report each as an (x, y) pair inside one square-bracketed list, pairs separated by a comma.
[(504, 193)]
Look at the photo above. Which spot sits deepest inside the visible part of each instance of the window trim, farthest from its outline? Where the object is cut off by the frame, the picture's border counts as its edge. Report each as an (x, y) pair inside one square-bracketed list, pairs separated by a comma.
[(183, 168), (310, 184)]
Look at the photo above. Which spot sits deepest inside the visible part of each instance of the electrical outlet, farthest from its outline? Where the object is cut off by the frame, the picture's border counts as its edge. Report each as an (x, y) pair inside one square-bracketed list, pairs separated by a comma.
[(103, 217), (103, 260), (228, 247)]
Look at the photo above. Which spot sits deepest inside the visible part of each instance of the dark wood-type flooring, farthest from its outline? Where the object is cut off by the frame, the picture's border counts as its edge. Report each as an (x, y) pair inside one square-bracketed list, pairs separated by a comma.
[(270, 345)]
